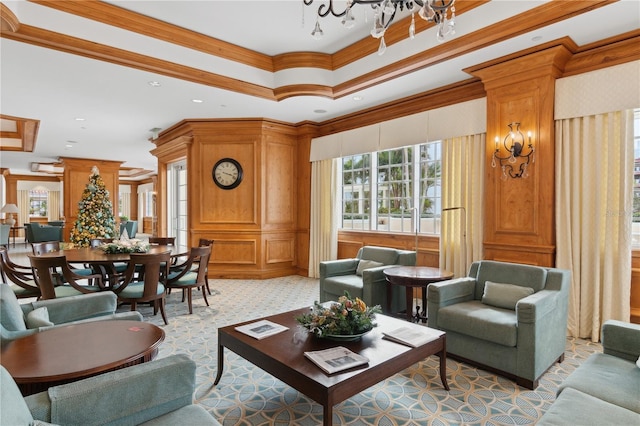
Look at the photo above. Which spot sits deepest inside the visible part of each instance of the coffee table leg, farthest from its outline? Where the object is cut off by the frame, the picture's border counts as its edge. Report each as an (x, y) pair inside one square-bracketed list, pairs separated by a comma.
[(327, 414), (220, 364)]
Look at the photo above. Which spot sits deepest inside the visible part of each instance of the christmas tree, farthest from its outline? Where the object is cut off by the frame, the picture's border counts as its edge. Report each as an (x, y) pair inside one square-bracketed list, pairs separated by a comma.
[(95, 213)]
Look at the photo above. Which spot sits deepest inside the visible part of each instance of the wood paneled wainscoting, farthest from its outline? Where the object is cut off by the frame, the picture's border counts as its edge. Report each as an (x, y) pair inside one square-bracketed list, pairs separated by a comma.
[(635, 286)]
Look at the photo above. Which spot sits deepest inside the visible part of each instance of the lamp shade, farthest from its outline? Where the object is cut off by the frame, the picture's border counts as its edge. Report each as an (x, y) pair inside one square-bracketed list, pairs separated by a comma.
[(10, 208)]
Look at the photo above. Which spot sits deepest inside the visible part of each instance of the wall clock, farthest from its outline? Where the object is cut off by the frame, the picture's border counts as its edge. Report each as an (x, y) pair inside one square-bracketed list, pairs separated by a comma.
[(227, 173)]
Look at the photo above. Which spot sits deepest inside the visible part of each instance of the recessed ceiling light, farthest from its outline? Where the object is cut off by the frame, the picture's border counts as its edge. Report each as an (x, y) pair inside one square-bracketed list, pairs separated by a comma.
[(154, 83), (319, 111), (79, 119), (197, 101), (357, 98), (69, 145)]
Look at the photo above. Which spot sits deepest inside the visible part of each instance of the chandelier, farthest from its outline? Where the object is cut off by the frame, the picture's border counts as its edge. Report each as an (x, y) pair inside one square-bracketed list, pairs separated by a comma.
[(513, 144), (384, 11)]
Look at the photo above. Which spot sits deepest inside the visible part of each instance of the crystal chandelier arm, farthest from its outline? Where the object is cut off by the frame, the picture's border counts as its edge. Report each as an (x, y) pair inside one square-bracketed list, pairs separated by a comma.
[(324, 9)]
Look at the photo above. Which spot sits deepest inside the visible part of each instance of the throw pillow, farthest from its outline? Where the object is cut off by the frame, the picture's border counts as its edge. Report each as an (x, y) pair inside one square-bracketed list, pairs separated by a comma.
[(38, 318), (503, 295), (366, 264)]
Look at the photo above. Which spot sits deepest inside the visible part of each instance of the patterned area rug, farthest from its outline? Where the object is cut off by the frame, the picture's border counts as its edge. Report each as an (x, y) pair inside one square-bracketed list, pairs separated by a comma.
[(246, 395)]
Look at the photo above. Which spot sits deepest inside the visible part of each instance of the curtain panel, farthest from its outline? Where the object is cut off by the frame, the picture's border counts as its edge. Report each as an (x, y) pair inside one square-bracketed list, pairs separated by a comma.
[(53, 201), (594, 208), (463, 162)]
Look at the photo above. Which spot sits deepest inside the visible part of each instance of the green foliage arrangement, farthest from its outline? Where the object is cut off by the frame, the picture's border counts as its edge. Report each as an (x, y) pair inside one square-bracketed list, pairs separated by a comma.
[(347, 317)]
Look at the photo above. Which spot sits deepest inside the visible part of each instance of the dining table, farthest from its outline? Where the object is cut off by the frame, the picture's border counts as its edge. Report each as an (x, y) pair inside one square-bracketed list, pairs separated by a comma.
[(102, 262)]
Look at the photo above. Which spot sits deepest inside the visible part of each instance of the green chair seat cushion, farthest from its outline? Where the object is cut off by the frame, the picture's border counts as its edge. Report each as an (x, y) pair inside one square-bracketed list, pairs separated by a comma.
[(573, 407), (474, 318), (135, 290), (67, 290), (609, 378), (19, 291), (187, 279), (338, 284), (83, 272), (120, 267)]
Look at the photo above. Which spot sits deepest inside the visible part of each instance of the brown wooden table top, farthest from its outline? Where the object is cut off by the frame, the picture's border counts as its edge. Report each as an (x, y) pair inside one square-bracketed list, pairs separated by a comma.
[(282, 355), (416, 276), (97, 255), (79, 351)]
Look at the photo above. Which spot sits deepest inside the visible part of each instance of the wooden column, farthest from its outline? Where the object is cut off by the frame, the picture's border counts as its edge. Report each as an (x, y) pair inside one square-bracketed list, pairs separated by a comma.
[(76, 177), (519, 212)]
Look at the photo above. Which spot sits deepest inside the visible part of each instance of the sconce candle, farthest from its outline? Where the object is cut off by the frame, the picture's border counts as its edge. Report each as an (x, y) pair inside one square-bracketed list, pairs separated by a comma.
[(514, 145)]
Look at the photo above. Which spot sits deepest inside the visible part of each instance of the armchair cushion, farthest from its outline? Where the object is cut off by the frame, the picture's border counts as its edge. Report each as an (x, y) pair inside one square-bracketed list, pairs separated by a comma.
[(504, 295), (484, 322), (366, 264), (38, 318), (11, 315)]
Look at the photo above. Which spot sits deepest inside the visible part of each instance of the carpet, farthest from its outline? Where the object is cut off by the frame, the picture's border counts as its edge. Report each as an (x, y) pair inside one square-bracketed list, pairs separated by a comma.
[(246, 395)]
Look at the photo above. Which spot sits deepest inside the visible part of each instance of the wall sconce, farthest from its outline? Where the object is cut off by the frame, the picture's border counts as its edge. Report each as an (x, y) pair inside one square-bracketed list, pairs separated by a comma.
[(514, 145)]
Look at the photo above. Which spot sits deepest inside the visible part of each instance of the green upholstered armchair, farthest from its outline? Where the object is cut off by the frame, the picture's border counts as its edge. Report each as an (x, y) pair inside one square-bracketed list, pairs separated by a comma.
[(159, 392), (131, 226), (508, 318), (38, 233), (5, 230), (362, 276), (22, 319)]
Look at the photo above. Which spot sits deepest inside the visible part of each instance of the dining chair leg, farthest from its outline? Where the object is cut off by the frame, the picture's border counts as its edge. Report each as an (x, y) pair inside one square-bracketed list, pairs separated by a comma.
[(189, 299), (204, 295), (206, 280), (164, 316), (184, 292), (133, 306)]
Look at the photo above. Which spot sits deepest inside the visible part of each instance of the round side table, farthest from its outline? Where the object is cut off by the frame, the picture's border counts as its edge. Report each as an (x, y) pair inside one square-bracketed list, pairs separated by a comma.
[(412, 277)]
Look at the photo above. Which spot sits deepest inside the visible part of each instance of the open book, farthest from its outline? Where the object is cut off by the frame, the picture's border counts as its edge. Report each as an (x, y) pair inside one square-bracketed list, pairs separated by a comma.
[(411, 336), (261, 329), (336, 359)]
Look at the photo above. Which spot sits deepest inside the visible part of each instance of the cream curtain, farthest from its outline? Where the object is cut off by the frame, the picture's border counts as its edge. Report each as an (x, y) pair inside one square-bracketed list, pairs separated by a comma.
[(463, 162), (325, 214), (23, 206), (125, 202), (594, 201), (53, 201)]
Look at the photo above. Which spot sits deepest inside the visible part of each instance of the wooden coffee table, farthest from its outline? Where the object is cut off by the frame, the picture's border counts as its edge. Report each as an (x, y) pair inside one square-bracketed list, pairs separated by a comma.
[(282, 355), (411, 277), (69, 353)]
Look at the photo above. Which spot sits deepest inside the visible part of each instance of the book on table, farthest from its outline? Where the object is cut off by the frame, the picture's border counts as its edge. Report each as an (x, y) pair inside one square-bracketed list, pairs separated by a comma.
[(336, 359), (412, 336), (261, 329)]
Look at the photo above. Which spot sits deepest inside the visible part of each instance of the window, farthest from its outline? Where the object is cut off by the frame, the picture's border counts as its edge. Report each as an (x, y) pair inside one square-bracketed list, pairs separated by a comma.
[(404, 183), (38, 203)]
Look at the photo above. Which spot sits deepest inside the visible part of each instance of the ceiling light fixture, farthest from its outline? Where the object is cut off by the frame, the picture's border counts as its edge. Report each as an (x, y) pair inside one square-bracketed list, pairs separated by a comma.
[(384, 11), (197, 101)]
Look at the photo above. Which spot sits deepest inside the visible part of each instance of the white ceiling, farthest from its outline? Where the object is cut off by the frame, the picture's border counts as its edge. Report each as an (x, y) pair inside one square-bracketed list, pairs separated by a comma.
[(119, 107)]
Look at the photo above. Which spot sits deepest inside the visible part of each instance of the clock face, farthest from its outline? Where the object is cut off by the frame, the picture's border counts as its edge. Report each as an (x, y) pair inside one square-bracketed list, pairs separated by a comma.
[(227, 173)]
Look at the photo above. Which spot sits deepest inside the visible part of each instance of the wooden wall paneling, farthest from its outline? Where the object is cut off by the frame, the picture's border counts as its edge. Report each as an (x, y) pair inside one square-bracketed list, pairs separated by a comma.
[(302, 190), (635, 287)]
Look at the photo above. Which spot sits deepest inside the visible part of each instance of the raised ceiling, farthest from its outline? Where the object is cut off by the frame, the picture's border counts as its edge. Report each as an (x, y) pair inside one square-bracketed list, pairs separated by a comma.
[(103, 78)]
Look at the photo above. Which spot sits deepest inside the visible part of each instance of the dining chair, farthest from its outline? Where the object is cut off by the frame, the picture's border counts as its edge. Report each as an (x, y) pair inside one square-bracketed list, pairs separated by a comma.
[(19, 277), (56, 279), (203, 242), (117, 269), (163, 241), (151, 286), (40, 248), (186, 278)]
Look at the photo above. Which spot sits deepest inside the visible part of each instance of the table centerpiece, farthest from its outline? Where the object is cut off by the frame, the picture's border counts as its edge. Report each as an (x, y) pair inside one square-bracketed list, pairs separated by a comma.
[(347, 319), (132, 245)]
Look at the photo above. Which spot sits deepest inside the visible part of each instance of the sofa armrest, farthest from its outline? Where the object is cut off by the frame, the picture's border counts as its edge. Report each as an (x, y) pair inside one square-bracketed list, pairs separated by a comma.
[(79, 307), (332, 268), (449, 292), (536, 306), (621, 339), (130, 395)]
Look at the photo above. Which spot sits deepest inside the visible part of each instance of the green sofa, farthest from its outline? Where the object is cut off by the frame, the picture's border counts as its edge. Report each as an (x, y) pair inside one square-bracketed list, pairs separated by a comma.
[(505, 317), (605, 389), (38, 233), (364, 279), (154, 393)]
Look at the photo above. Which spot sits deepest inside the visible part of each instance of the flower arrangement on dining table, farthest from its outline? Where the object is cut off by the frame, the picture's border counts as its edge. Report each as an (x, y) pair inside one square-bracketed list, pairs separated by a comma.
[(132, 245), (346, 317)]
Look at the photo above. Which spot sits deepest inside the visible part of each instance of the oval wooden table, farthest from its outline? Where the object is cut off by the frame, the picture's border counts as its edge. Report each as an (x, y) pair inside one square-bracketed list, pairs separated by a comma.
[(412, 277), (73, 352)]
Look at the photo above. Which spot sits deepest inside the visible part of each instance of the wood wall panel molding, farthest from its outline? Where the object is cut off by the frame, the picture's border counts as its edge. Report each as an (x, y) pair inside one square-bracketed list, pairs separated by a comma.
[(8, 20), (280, 183), (605, 53), (279, 250), (229, 251)]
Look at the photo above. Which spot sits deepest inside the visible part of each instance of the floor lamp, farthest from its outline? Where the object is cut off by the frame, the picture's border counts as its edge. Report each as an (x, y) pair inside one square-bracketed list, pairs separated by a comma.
[(464, 232)]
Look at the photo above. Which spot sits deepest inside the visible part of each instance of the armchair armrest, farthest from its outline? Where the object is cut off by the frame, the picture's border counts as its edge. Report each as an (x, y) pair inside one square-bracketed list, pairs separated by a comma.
[(79, 307), (532, 308), (131, 395), (374, 285), (332, 268), (449, 292), (621, 339)]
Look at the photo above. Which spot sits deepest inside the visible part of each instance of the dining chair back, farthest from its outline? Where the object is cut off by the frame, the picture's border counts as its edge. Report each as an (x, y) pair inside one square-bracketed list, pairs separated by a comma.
[(203, 242), (19, 277), (191, 274), (163, 241), (43, 247), (56, 279), (148, 286)]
